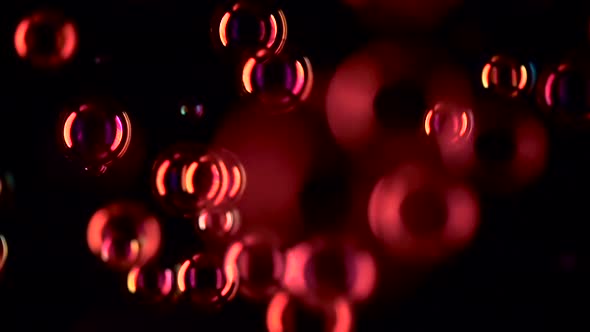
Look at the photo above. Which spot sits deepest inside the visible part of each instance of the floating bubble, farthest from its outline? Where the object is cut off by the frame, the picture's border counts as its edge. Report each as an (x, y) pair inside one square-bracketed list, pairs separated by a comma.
[(260, 263), (192, 110), (3, 251), (236, 175), (151, 283), (94, 133), (565, 91), (323, 270), (449, 123), (420, 215), (287, 314), (124, 235), (278, 83), (245, 27), (46, 38), (507, 76), (187, 178), (217, 223), (204, 280)]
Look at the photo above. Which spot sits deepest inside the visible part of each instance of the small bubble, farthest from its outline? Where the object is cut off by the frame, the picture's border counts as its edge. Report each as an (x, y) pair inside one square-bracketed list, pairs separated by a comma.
[(151, 283), (279, 83), (260, 263), (46, 38), (204, 280), (95, 133), (450, 124), (124, 235), (565, 91), (218, 224), (245, 27), (507, 76), (3, 251)]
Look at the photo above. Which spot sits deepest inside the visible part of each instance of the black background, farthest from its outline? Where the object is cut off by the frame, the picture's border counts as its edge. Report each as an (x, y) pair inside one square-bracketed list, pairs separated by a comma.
[(158, 53)]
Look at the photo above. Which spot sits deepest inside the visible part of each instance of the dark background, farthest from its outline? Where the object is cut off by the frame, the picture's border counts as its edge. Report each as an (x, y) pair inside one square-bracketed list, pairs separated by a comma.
[(158, 53)]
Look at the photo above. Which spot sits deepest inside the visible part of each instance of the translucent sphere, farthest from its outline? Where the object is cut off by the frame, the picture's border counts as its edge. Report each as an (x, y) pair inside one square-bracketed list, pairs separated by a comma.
[(507, 76), (288, 314), (192, 110), (205, 281), (565, 91), (46, 39), (3, 251), (327, 269), (94, 133), (124, 235), (278, 83), (245, 27), (236, 180), (151, 283), (187, 178), (260, 263), (449, 123), (217, 223)]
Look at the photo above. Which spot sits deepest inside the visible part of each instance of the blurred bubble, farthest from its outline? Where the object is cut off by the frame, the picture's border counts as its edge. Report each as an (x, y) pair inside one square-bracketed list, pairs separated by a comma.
[(3, 251), (124, 235), (151, 283), (326, 269), (420, 215), (204, 280), (46, 38), (192, 110), (189, 177), (6, 188), (288, 314), (94, 133), (260, 263), (507, 76), (449, 123), (244, 27), (278, 82), (217, 223), (565, 91)]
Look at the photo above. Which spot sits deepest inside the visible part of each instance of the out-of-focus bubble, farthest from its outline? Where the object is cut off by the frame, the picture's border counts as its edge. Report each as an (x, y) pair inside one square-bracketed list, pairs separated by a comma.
[(288, 314), (278, 83), (217, 223), (194, 111), (124, 235), (46, 38), (450, 124), (419, 215), (565, 91), (3, 251), (151, 283), (204, 280), (94, 133), (243, 27), (507, 76), (6, 188), (260, 263), (324, 270), (187, 178)]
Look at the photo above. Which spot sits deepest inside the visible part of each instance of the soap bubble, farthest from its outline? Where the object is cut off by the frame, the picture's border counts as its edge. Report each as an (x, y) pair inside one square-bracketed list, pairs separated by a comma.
[(507, 76), (3, 251), (124, 235), (278, 83), (151, 283), (260, 263), (46, 38), (449, 123), (204, 280), (565, 91), (94, 133), (245, 27), (218, 224)]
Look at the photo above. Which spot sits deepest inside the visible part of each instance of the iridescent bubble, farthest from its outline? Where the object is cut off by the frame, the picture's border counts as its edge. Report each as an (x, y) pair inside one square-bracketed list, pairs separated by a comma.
[(124, 235), (204, 280), (46, 38), (192, 110), (565, 91), (278, 83), (217, 223), (325, 269), (288, 314), (449, 123), (507, 76), (151, 283), (260, 263), (94, 133), (245, 27), (187, 178), (236, 175), (3, 251)]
